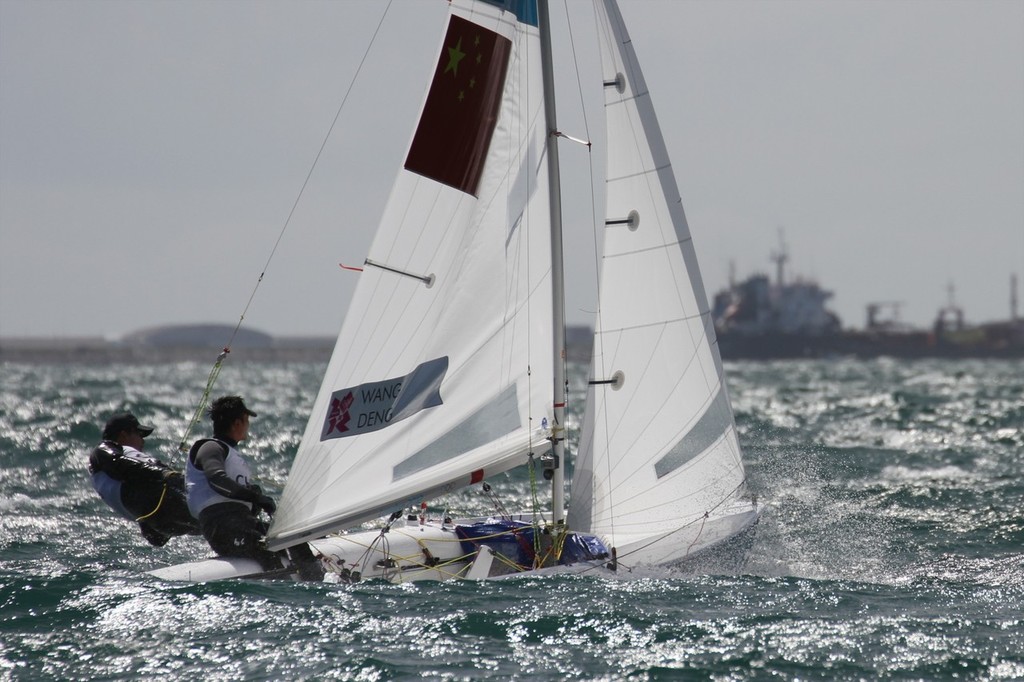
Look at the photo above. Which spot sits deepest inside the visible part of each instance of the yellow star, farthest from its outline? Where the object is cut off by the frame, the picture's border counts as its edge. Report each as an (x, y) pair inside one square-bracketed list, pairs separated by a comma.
[(455, 55)]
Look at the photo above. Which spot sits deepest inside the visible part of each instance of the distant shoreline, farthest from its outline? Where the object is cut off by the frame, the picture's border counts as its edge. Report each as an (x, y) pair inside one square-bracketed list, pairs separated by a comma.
[(97, 350), (131, 350)]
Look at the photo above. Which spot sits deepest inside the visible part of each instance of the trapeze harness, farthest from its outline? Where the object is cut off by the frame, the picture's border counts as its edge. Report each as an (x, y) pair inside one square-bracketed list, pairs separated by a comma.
[(200, 494)]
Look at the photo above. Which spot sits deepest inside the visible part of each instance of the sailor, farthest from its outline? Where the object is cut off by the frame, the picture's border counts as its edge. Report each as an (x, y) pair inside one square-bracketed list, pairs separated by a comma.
[(138, 486), (223, 496)]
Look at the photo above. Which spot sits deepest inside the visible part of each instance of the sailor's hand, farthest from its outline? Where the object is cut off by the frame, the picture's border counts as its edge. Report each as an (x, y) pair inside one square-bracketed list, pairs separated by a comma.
[(266, 504)]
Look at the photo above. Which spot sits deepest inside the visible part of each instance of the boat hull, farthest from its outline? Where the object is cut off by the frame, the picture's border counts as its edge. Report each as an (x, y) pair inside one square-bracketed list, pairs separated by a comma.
[(474, 549), (414, 550), (217, 568)]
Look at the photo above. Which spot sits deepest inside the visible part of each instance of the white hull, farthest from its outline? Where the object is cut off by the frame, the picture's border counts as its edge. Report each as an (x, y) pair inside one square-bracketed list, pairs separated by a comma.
[(406, 553), (209, 570), (412, 551)]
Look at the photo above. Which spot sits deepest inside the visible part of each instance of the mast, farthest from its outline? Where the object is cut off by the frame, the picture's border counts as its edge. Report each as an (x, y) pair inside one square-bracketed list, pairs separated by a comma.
[(557, 269)]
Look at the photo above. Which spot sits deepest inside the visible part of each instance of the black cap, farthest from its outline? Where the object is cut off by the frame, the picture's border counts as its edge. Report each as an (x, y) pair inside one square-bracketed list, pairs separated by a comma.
[(229, 408), (125, 421)]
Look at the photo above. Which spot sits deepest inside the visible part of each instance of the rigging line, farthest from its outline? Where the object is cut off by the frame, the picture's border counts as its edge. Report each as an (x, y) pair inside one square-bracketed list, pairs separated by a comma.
[(520, 153), (590, 165), (204, 398), (576, 65), (312, 168), (227, 348), (536, 508)]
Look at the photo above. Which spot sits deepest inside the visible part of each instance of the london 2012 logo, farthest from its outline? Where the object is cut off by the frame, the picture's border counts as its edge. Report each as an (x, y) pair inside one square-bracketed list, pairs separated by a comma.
[(375, 405), (338, 416)]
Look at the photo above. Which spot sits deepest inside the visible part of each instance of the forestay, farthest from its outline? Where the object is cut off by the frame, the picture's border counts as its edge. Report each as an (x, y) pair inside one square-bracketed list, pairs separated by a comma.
[(438, 378), (658, 449)]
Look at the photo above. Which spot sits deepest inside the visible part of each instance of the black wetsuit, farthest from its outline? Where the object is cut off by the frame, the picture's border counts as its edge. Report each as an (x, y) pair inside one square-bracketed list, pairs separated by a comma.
[(143, 489)]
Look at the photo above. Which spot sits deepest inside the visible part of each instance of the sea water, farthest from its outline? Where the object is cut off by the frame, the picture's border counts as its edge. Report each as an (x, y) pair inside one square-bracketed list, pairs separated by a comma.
[(892, 547)]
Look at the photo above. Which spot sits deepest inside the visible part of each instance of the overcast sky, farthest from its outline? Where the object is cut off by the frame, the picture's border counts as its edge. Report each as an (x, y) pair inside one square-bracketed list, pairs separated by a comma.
[(151, 152)]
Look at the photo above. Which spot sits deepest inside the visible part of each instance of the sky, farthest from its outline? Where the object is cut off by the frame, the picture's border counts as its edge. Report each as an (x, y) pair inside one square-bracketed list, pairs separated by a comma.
[(154, 155)]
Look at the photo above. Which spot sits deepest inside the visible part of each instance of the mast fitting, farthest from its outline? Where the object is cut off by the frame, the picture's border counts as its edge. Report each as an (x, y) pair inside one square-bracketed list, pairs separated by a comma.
[(616, 382), (632, 221), (619, 83)]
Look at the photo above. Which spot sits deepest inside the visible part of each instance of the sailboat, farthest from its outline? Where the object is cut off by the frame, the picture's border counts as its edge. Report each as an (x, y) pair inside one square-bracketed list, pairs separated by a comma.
[(450, 365)]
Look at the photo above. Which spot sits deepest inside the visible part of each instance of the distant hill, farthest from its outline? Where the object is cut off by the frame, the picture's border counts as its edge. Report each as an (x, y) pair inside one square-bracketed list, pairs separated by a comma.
[(169, 343), (198, 336)]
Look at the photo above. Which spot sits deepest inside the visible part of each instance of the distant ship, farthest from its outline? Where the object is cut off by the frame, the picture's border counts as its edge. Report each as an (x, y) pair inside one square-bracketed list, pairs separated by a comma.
[(759, 319)]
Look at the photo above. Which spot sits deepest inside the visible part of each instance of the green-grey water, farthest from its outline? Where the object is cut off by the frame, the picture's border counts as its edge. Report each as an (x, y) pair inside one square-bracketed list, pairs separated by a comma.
[(892, 547)]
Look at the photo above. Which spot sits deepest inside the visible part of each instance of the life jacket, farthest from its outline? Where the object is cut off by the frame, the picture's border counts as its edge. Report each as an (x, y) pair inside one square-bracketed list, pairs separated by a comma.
[(108, 487), (197, 488)]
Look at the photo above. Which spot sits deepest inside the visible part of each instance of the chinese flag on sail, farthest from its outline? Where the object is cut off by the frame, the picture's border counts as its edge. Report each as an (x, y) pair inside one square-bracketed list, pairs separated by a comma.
[(462, 106)]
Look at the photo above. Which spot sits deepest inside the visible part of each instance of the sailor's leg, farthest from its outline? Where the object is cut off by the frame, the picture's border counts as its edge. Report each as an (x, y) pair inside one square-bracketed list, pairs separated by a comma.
[(308, 565)]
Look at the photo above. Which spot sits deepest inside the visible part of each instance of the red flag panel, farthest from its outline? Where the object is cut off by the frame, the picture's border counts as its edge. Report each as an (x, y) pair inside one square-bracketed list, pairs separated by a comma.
[(458, 119)]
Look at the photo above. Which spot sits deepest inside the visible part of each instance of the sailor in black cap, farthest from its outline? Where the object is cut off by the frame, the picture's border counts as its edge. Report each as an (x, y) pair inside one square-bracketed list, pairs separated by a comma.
[(222, 494), (138, 486)]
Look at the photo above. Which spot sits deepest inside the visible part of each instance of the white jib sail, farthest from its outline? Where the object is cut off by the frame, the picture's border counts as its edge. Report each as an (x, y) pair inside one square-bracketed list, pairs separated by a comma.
[(442, 372), (659, 447)]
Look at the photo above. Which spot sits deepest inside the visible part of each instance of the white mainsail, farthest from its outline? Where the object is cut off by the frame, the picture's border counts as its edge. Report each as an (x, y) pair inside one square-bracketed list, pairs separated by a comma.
[(443, 369), (659, 471)]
